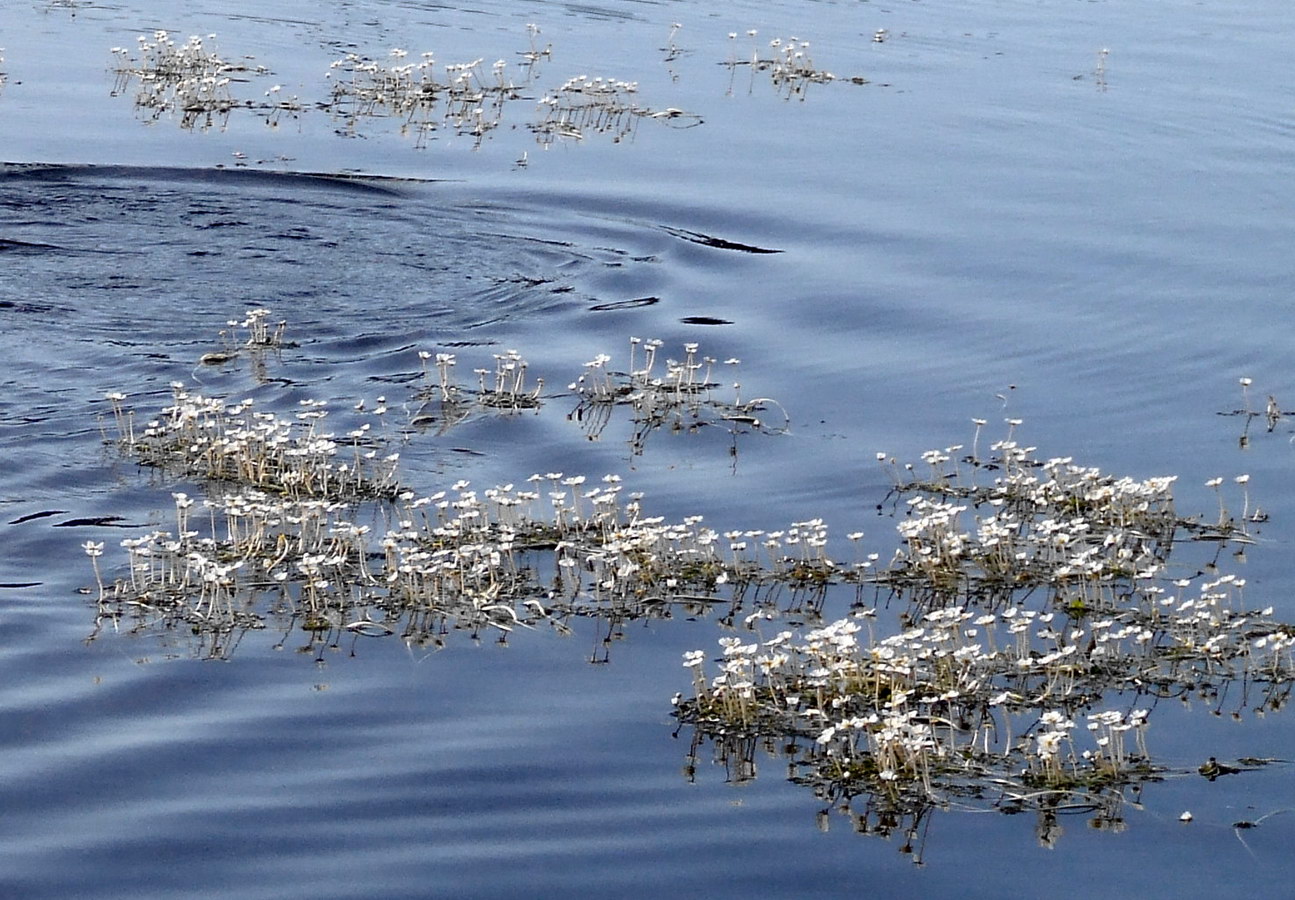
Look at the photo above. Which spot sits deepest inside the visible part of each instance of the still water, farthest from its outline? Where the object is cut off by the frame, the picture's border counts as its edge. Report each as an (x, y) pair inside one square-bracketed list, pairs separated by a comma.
[(1075, 214)]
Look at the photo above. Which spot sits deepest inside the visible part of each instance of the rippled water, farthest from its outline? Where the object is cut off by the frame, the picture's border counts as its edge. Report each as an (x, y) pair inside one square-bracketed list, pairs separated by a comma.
[(1002, 222)]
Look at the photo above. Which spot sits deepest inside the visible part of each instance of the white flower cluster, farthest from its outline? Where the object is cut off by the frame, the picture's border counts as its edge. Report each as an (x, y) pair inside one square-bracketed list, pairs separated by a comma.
[(210, 438), (931, 709), (788, 62), (473, 99), (681, 398), (252, 332), (584, 105), (186, 79)]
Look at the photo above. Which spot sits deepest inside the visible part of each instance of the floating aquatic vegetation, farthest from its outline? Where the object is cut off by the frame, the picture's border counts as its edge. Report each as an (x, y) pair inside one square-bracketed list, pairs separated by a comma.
[(1031, 647), (212, 439), (1037, 622), (250, 335), (788, 64), (446, 404), (466, 100), (305, 562), (1014, 626), (472, 101), (283, 494), (190, 81), (672, 50), (1272, 413), (452, 557), (584, 106), (194, 83), (503, 388), (681, 398), (279, 519)]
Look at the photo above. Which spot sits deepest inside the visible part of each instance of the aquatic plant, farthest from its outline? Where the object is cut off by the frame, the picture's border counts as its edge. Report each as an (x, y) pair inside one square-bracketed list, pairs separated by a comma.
[(195, 83), (276, 487), (532, 56), (681, 397), (582, 106), (1272, 413), (788, 63), (1056, 595), (251, 333), (503, 388), (189, 80), (1006, 657), (453, 557), (210, 438), (472, 100), (676, 395), (672, 50)]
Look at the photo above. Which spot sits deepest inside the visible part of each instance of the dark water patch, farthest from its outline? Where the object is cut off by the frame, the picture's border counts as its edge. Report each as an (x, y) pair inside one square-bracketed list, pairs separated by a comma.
[(625, 304), (419, 259), (39, 515), (62, 174), (20, 307), (707, 240), (98, 522), (226, 223), (8, 245), (398, 378)]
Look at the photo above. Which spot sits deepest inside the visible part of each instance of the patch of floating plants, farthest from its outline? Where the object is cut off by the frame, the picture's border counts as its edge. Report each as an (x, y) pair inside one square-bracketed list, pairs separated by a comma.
[(465, 99), (469, 101), (250, 337), (284, 496), (191, 82), (788, 64), (1039, 627), (583, 106), (446, 403), (211, 439), (251, 334), (680, 399), (1009, 655), (195, 84), (1272, 413), (678, 396)]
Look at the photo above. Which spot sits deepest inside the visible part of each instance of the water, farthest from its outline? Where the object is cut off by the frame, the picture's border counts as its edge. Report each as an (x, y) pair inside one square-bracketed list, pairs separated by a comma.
[(1001, 210)]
